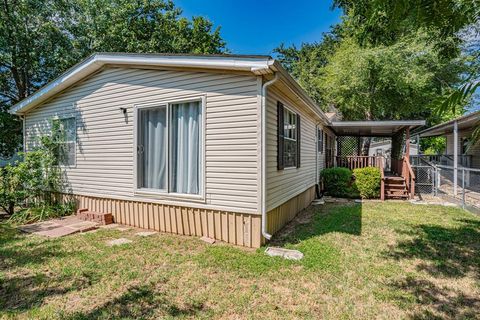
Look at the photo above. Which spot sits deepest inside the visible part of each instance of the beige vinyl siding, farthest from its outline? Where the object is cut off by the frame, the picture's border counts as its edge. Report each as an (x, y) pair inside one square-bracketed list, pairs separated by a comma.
[(105, 157), (474, 150), (283, 185)]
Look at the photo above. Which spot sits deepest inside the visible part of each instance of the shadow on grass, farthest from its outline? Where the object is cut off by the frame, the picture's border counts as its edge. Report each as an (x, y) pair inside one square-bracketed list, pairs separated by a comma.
[(451, 252), (15, 251), (139, 302), (437, 302), (317, 221), (447, 251), (20, 293)]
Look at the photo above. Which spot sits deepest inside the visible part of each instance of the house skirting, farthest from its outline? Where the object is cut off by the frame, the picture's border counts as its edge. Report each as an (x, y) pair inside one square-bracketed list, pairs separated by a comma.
[(236, 228), (281, 215)]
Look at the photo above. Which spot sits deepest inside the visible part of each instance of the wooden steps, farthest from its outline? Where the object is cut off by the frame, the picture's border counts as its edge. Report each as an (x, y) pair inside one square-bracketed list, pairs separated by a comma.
[(395, 188)]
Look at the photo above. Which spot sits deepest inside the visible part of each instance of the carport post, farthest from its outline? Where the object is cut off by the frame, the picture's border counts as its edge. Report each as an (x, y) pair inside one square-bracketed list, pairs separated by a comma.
[(407, 144), (418, 144), (455, 157)]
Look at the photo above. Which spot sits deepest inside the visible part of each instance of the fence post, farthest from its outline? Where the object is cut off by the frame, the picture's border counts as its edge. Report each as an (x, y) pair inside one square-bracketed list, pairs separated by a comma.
[(438, 179), (463, 187)]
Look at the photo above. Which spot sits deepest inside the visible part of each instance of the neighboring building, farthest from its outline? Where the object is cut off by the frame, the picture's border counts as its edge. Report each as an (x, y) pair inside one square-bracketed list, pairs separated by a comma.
[(384, 148), (461, 127)]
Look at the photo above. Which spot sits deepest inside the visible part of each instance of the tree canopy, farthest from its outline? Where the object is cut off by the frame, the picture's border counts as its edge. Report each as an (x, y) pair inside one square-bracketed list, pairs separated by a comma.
[(39, 39), (387, 59)]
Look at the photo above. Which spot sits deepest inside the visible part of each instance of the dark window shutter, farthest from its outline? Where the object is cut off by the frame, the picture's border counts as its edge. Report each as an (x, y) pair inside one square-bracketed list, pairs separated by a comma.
[(280, 145), (298, 140)]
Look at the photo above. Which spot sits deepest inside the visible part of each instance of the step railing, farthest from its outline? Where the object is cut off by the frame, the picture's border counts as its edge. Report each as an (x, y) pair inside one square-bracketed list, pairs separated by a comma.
[(403, 168)]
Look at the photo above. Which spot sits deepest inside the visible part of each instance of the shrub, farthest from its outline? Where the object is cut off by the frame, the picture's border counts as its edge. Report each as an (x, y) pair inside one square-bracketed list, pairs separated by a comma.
[(367, 182), (338, 182), (34, 186)]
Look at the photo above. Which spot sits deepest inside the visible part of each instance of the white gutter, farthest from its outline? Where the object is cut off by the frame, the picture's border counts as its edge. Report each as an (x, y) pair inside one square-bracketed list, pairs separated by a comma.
[(263, 108), (24, 133)]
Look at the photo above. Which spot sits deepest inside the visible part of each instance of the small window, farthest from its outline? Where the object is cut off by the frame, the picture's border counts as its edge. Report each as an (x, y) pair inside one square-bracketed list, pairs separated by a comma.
[(64, 134), (319, 140), (290, 138), (465, 144)]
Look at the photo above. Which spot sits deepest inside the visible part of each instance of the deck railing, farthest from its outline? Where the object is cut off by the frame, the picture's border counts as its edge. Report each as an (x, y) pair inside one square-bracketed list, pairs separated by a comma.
[(355, 162)]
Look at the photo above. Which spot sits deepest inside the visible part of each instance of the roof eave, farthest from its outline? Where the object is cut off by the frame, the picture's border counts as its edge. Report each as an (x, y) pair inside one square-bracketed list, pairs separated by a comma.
[(445, 127), (256, 65)]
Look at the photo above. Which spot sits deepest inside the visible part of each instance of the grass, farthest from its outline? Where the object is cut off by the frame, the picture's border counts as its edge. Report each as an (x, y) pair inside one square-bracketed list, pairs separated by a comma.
[(375, 260)]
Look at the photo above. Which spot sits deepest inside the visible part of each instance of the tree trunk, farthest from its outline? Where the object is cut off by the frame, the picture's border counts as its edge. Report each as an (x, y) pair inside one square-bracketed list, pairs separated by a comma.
[(366, 145)]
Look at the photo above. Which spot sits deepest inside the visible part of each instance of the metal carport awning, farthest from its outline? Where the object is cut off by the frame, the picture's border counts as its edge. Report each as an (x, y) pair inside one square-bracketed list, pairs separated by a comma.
[(373, 128)]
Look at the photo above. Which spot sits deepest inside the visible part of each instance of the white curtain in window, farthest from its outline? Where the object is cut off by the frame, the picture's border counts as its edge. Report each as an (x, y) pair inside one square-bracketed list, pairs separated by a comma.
[(152, 148), (185, 147)]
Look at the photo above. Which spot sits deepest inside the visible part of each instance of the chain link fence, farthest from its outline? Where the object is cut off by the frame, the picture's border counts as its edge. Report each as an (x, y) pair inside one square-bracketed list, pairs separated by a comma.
[(467, 190), (438, 180), (425, 179)]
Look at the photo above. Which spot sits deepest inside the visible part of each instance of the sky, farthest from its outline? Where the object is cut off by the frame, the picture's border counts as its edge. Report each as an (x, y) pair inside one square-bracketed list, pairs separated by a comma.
[(257, 27)]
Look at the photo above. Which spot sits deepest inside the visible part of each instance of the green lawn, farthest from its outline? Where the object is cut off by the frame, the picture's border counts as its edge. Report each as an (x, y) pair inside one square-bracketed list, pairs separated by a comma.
[(375, 260)]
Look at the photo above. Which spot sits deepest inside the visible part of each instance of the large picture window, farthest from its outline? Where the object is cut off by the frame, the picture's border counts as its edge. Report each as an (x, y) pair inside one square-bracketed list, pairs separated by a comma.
[(169, 147), (64, 133)]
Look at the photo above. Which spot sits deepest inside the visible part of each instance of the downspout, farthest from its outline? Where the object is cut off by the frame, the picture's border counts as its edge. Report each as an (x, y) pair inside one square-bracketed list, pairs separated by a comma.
[(24, 134), (264, 158)]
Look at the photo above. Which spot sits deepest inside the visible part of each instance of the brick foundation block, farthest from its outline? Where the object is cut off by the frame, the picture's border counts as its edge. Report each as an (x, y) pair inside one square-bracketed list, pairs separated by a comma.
[(98, 217)]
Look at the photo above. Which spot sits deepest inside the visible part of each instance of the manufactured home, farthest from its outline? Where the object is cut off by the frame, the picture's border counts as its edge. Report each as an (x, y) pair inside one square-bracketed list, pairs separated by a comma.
[(228, 147)]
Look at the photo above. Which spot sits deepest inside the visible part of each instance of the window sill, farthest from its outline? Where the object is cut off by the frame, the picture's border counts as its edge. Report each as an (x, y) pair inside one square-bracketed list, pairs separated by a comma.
[(169, 196)]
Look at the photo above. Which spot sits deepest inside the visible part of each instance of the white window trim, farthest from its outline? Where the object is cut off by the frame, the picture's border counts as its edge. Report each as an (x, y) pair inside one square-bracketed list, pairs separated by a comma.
[(68, 116), (164, 194), (285, 138), (321, 134)]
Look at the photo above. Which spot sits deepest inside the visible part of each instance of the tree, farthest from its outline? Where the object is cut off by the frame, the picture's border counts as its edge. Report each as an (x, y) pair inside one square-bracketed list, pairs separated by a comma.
[(387, 82), (390, 58), (40, 39), (306, 63), (383, 21)]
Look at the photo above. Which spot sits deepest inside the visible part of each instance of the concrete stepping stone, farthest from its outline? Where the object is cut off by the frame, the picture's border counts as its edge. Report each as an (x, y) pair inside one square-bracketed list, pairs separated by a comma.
[(84, 226), (118, 242), (145, 233), (66, 221), (39, 227), (208, 240), (57, 232), (284, 253), (111, 226)]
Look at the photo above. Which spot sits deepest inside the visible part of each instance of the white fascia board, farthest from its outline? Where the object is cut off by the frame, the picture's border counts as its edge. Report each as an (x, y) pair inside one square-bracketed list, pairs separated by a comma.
[(90, 65), (378, 123)]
